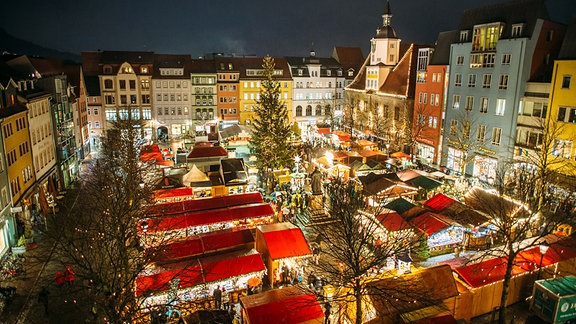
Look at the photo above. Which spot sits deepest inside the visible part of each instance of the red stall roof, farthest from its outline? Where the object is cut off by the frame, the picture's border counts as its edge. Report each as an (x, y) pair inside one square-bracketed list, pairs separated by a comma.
[(489, 271), (287, 305), (207, 217), (205, 204), (393, 222), (203, 243), (199, 152), (199, 271), (284, 241), (439, 202), (432, 223), (175, 192)]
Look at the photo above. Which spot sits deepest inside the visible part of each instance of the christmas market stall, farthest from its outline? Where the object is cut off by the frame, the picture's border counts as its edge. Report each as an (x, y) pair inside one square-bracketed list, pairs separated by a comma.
[(196, 279), (204, 204), (484, 279), (199, 182), (173, 195), (235, 176), (441, 231), (286, 305), (426, 293), (285, 252)]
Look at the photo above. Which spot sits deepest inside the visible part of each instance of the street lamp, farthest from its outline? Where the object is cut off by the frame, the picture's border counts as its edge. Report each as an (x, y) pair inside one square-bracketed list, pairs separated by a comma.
[(543, 248), (388, 149)]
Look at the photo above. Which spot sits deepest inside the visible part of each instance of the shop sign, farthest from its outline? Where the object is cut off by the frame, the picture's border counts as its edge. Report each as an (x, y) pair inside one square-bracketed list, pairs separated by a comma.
[(566, 309), (17, 209), (485, 150)]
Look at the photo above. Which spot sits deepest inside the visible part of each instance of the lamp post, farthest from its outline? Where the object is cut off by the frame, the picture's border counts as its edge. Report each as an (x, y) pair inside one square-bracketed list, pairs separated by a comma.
[(388, 149), (543, 248)]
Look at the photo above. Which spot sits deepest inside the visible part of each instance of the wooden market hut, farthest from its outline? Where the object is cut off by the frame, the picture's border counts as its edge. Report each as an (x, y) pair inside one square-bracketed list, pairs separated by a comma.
[(483, 281), (282, 244), (433, 289), (286, 305), (441, 230)]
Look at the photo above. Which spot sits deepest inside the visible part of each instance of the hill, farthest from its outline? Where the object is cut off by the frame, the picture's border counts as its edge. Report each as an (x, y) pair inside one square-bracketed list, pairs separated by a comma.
[(12, 45)]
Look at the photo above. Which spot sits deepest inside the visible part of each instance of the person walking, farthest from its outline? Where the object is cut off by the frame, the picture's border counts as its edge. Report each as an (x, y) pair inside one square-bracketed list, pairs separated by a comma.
[(43, 298), (327, 308), (217, 294)]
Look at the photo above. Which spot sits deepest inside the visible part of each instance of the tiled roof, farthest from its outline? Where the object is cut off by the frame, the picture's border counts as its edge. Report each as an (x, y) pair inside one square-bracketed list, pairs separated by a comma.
[(171, 61), (92, 85), (348, 56), (401, 80), (441, 55), (201, 66), (199, 152), (90, 62)]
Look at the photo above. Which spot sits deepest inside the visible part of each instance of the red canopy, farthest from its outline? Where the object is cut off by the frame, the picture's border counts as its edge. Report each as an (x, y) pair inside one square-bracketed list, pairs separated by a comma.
[(324, 131), (393, 222), (431, 223), (342, 136), (207, 217), (286, 243), (400, 155), (489, 271), (171, 193), (439, 202), (288, 305), (200, 271), (203, 243), (205, 204)]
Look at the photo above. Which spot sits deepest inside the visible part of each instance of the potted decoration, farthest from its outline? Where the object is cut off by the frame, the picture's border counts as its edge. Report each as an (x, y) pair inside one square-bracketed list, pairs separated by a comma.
[(21, 246)]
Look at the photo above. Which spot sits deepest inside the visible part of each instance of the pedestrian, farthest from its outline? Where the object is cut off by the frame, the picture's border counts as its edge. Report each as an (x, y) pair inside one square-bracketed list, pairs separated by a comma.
[(311, 279), (217, 294), (327, 308), (69, 275), (43, 298)]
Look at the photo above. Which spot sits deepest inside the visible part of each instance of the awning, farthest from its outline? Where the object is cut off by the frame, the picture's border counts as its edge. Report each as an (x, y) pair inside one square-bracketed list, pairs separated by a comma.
[(173, 193), (342, 136), (324, 131), (408, 174), (439, 202), (287, 305), (199, 271), (399, 205), (230, 131), (400, 155), (284, 240), (393, 222), (424, 182), (204, 243), (431, 223), (204, 204), (214, 216)]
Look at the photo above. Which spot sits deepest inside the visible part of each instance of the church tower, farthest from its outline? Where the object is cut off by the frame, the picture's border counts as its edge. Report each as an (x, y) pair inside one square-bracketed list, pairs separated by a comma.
[(384, 52)]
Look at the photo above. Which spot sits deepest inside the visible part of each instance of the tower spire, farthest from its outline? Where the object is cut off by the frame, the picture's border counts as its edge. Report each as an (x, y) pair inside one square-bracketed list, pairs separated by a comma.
[(387, 15)]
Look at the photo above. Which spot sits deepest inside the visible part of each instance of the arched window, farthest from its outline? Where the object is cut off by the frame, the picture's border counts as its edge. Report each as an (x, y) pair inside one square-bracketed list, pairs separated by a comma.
[(308, 110), (318, 110), (299, 111), (327, 110)]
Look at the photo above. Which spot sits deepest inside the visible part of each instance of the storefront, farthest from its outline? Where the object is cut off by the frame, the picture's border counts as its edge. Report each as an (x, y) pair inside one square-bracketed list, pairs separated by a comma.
[(454, 161), (485, 168), (425, 152), (285, 252)]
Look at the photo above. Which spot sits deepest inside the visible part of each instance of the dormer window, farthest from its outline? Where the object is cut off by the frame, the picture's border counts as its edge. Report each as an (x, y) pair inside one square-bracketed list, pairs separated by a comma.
[(144, 69), (300, 72), (328, 73), (517, 30), (463, 35), (107, 69)]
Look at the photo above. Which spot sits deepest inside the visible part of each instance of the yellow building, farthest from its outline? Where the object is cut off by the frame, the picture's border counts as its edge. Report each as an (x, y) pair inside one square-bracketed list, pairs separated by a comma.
[(562, 107), (17, 146), (251, 72)]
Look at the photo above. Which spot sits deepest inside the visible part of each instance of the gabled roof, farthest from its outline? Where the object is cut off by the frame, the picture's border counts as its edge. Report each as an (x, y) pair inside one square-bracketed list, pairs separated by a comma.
[(348, 56), (399, 205), (441, 55), (401, 80), (509, 12), (199, 152), (393, 222), (284, 240)]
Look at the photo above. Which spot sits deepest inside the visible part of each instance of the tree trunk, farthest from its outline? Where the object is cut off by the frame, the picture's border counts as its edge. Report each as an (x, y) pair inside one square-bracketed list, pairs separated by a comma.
[(505, 290), (358, 295)]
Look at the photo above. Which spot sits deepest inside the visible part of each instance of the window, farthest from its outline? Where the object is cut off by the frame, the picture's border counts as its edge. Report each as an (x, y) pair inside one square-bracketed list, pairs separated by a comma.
[(517, 30), (97, 124), (506, 59), (562, 148), (539, 110), (469, 103), (500, 107), (299, 111), (145, 99), (123, 84), (471, 80), (453, 127), (458, 80), (108, 84), (318, 111), (308, 110), (503, 83), (459, 60), (110, 115), (484, 105), (566, 81), (549, 35), (486, 81), (481, 133), (132, 84), (562, 114), (145, 84), (572, 116), (463, 35), (133, 99), (123, 99), (456, 101), (96, 112)]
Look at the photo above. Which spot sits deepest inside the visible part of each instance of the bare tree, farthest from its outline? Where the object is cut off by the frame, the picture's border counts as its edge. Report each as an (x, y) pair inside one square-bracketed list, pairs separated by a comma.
[(517, 228), (100, 241), (355, 248), (466, 136)]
